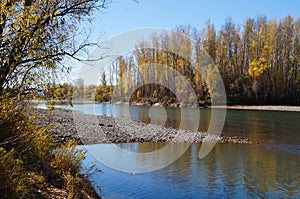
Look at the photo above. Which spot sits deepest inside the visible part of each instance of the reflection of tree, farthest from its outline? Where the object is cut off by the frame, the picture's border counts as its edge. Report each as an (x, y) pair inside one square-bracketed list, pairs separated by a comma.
[(230, 169)]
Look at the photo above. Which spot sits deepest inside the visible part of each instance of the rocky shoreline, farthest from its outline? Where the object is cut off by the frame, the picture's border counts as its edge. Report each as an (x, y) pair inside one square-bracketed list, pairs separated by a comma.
[(89, 129)]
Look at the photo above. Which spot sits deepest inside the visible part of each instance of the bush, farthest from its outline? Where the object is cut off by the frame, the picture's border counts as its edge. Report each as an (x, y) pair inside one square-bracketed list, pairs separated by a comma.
[(31, 164)]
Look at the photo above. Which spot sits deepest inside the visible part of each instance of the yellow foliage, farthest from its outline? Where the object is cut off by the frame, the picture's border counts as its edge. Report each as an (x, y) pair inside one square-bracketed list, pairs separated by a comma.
[(257, 67), (29, 158)]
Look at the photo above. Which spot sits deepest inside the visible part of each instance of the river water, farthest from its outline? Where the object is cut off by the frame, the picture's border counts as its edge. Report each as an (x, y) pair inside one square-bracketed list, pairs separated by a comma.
[(268, 169)]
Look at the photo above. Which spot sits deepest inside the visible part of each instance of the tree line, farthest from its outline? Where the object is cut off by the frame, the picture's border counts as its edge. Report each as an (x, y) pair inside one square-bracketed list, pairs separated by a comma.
[(258, 62)]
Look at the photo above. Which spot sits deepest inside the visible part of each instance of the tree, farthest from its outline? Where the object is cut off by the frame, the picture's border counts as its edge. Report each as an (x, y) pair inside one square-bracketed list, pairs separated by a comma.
[(35, 36), (103, 80), (259, 63)]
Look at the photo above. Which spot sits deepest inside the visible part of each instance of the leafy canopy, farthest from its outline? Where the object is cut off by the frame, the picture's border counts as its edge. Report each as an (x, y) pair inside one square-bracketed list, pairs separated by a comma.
[(35, 36)]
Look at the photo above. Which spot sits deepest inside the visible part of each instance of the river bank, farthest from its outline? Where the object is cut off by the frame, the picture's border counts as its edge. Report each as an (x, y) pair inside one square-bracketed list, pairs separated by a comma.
[(32, 165), (262, 107), (174, 104), (90, 129)]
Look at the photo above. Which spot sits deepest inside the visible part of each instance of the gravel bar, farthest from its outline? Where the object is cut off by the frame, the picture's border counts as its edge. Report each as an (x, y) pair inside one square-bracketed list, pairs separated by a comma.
[(91, 129)]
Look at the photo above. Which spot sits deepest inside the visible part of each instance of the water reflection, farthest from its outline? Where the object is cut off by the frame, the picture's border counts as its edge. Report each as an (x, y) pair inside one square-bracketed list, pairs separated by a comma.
[(130, 161), (269, 169), (230, 169)]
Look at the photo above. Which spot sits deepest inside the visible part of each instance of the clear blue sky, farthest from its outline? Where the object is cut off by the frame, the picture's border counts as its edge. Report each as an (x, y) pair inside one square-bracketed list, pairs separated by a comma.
[(127, 15)]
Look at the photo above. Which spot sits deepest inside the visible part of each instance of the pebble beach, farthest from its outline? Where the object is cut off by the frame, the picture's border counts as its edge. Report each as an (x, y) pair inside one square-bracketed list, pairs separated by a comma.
[(90, 129)]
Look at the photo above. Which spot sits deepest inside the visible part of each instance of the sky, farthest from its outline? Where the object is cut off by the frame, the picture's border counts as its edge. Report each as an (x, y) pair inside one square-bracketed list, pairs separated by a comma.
[(126, 15)]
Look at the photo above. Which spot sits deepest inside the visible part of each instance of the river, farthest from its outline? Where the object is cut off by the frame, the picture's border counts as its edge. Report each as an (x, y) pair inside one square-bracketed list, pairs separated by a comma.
[(268, 169)]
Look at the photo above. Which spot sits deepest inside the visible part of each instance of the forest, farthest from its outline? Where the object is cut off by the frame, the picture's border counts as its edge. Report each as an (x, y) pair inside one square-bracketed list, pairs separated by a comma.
[(258, 62)]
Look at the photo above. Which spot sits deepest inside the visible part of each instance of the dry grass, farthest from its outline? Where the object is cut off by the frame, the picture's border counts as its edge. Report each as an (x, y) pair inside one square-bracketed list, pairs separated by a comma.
[(32, 165)]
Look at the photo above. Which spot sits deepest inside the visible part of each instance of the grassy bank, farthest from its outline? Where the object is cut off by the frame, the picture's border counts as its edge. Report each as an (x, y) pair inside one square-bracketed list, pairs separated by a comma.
[(32, 165)]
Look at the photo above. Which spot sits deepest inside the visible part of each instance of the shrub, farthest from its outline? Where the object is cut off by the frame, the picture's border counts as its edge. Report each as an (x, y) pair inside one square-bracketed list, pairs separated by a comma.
[(31, 164)]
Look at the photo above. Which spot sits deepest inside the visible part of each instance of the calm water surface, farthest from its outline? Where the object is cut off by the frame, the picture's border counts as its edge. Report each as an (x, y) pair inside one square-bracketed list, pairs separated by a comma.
[(269, 169), (263, 126), (233, 171)]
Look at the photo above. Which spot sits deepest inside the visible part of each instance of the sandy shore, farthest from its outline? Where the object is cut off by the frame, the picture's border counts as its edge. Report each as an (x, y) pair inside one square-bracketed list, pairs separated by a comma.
[(89, 129)]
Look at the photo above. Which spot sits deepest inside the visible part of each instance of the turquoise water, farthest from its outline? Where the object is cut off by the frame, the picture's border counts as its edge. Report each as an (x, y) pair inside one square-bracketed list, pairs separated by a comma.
[(269, 169)]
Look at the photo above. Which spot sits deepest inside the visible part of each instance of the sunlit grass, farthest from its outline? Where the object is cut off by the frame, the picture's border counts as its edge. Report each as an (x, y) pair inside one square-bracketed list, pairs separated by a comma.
[(31, 164)]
